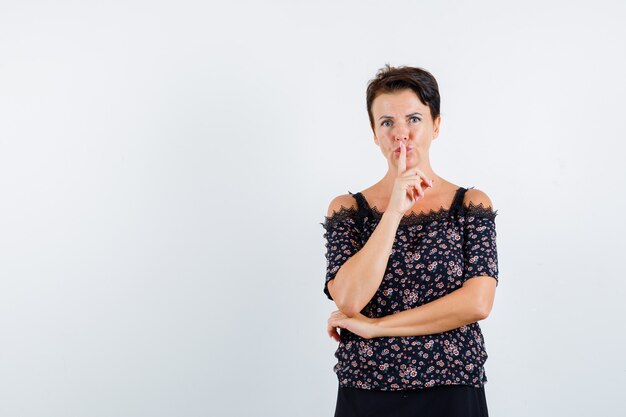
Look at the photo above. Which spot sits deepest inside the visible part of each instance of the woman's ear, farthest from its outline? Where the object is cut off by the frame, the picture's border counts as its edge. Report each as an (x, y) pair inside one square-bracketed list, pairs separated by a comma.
[(436, 124)]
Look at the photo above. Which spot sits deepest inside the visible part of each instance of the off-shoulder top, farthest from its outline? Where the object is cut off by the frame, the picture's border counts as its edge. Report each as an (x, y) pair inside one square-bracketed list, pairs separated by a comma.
[(433, 254)]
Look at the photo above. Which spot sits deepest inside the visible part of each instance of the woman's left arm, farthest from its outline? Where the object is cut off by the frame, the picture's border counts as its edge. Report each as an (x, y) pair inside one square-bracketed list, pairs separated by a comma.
[(470, 303)]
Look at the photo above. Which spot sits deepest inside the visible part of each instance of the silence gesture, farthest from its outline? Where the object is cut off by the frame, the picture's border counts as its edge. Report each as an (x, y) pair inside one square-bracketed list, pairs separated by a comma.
[(407, 189)]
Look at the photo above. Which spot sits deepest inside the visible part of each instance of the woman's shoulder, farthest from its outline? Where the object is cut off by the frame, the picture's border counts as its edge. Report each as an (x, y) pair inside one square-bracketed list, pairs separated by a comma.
[(478, 204), (476, 197), (343, 201)]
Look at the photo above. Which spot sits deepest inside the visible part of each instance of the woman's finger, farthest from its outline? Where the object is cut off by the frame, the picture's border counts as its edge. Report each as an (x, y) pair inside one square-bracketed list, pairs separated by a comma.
[(419, 191), (414, 195), (412, 184), (402, 159), (417, 178), (332, 332), (416, 173), (412, 171)]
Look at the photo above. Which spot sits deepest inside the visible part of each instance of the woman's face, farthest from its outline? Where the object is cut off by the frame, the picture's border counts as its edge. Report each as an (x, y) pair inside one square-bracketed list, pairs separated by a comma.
[(401, 117)]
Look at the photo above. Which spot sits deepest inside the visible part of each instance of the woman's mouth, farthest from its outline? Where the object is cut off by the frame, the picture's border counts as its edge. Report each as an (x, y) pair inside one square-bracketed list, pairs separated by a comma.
[(398, 150)]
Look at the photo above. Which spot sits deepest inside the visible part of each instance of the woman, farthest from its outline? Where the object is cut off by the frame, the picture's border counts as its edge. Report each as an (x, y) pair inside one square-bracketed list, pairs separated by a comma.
[(412, 266)]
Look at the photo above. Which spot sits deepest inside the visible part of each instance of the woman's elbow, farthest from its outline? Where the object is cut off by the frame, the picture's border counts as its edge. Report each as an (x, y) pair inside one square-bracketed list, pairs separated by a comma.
[(482, 294), (342, 304), (483, 308)]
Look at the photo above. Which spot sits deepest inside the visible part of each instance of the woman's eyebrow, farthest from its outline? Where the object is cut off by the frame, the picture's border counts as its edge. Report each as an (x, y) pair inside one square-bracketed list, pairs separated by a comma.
[(408, 115)]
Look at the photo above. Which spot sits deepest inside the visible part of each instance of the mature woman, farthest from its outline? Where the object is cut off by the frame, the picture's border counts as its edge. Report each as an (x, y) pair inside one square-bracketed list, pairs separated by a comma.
[(412, 267)]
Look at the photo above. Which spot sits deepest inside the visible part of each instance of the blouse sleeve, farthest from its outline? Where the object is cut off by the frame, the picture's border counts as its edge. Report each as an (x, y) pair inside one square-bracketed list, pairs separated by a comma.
[(480, 254), (342, 241)]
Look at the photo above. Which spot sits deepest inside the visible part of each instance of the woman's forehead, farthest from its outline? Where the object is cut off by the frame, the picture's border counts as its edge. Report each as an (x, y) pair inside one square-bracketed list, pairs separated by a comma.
[(404, 101)]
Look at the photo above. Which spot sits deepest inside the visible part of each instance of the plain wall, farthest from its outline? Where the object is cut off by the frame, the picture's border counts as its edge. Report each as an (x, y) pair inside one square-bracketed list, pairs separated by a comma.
[(165, 166)]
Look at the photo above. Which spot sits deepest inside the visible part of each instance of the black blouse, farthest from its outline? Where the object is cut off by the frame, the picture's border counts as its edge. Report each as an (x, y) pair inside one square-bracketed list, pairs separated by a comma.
[(433, 254)]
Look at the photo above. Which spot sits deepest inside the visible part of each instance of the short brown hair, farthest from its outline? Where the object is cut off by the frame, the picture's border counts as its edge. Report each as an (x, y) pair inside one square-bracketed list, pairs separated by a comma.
[(391, 79)]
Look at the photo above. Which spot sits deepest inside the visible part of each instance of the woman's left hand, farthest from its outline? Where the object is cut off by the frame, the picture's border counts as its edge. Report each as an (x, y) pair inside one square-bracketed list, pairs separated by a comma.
[(359, 324)]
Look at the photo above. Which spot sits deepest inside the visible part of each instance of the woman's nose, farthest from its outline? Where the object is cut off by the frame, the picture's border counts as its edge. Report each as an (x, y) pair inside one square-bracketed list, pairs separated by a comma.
[(401, 136), (401, 133)]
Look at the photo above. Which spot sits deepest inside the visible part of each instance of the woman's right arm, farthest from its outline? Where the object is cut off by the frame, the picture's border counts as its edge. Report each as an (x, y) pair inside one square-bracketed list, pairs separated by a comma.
[(360, 276)]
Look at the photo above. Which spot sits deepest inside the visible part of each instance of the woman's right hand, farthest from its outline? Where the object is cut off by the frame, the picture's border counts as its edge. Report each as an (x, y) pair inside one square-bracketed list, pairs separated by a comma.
[(407, 188)]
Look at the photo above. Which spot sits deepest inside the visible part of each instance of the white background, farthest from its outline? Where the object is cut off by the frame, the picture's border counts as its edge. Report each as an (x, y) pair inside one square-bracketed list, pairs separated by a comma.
[(165, 166)]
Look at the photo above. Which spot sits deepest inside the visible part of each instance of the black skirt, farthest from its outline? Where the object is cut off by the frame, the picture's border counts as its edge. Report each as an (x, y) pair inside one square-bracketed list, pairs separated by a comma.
[(438, 401)]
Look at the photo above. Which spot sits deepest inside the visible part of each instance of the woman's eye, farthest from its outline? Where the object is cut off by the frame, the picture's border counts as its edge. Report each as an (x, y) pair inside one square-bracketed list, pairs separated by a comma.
[(383, 123), (417, 119)]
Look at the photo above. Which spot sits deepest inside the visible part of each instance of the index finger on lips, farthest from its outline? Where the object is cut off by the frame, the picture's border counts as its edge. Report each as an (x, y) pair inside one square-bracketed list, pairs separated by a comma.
[(402, 159)]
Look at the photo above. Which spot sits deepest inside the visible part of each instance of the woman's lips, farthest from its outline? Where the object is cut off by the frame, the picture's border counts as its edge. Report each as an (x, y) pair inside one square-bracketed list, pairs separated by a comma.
[(398, 150)]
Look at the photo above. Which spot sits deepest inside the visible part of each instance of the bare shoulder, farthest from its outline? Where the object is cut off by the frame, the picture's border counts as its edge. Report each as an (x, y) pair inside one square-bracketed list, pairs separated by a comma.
[(344, 200), (477, 197)]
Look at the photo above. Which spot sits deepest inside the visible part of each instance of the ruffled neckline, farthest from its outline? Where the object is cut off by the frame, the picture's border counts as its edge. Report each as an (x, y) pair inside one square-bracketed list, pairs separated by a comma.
[(471, 210)]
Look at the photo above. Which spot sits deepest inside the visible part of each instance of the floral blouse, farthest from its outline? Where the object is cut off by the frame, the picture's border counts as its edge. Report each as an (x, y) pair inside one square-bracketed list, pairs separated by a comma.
[(433, 254)]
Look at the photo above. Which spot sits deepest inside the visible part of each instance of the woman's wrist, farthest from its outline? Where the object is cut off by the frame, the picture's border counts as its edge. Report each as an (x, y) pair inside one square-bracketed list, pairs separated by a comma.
[(377, 329), (393, 216)]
